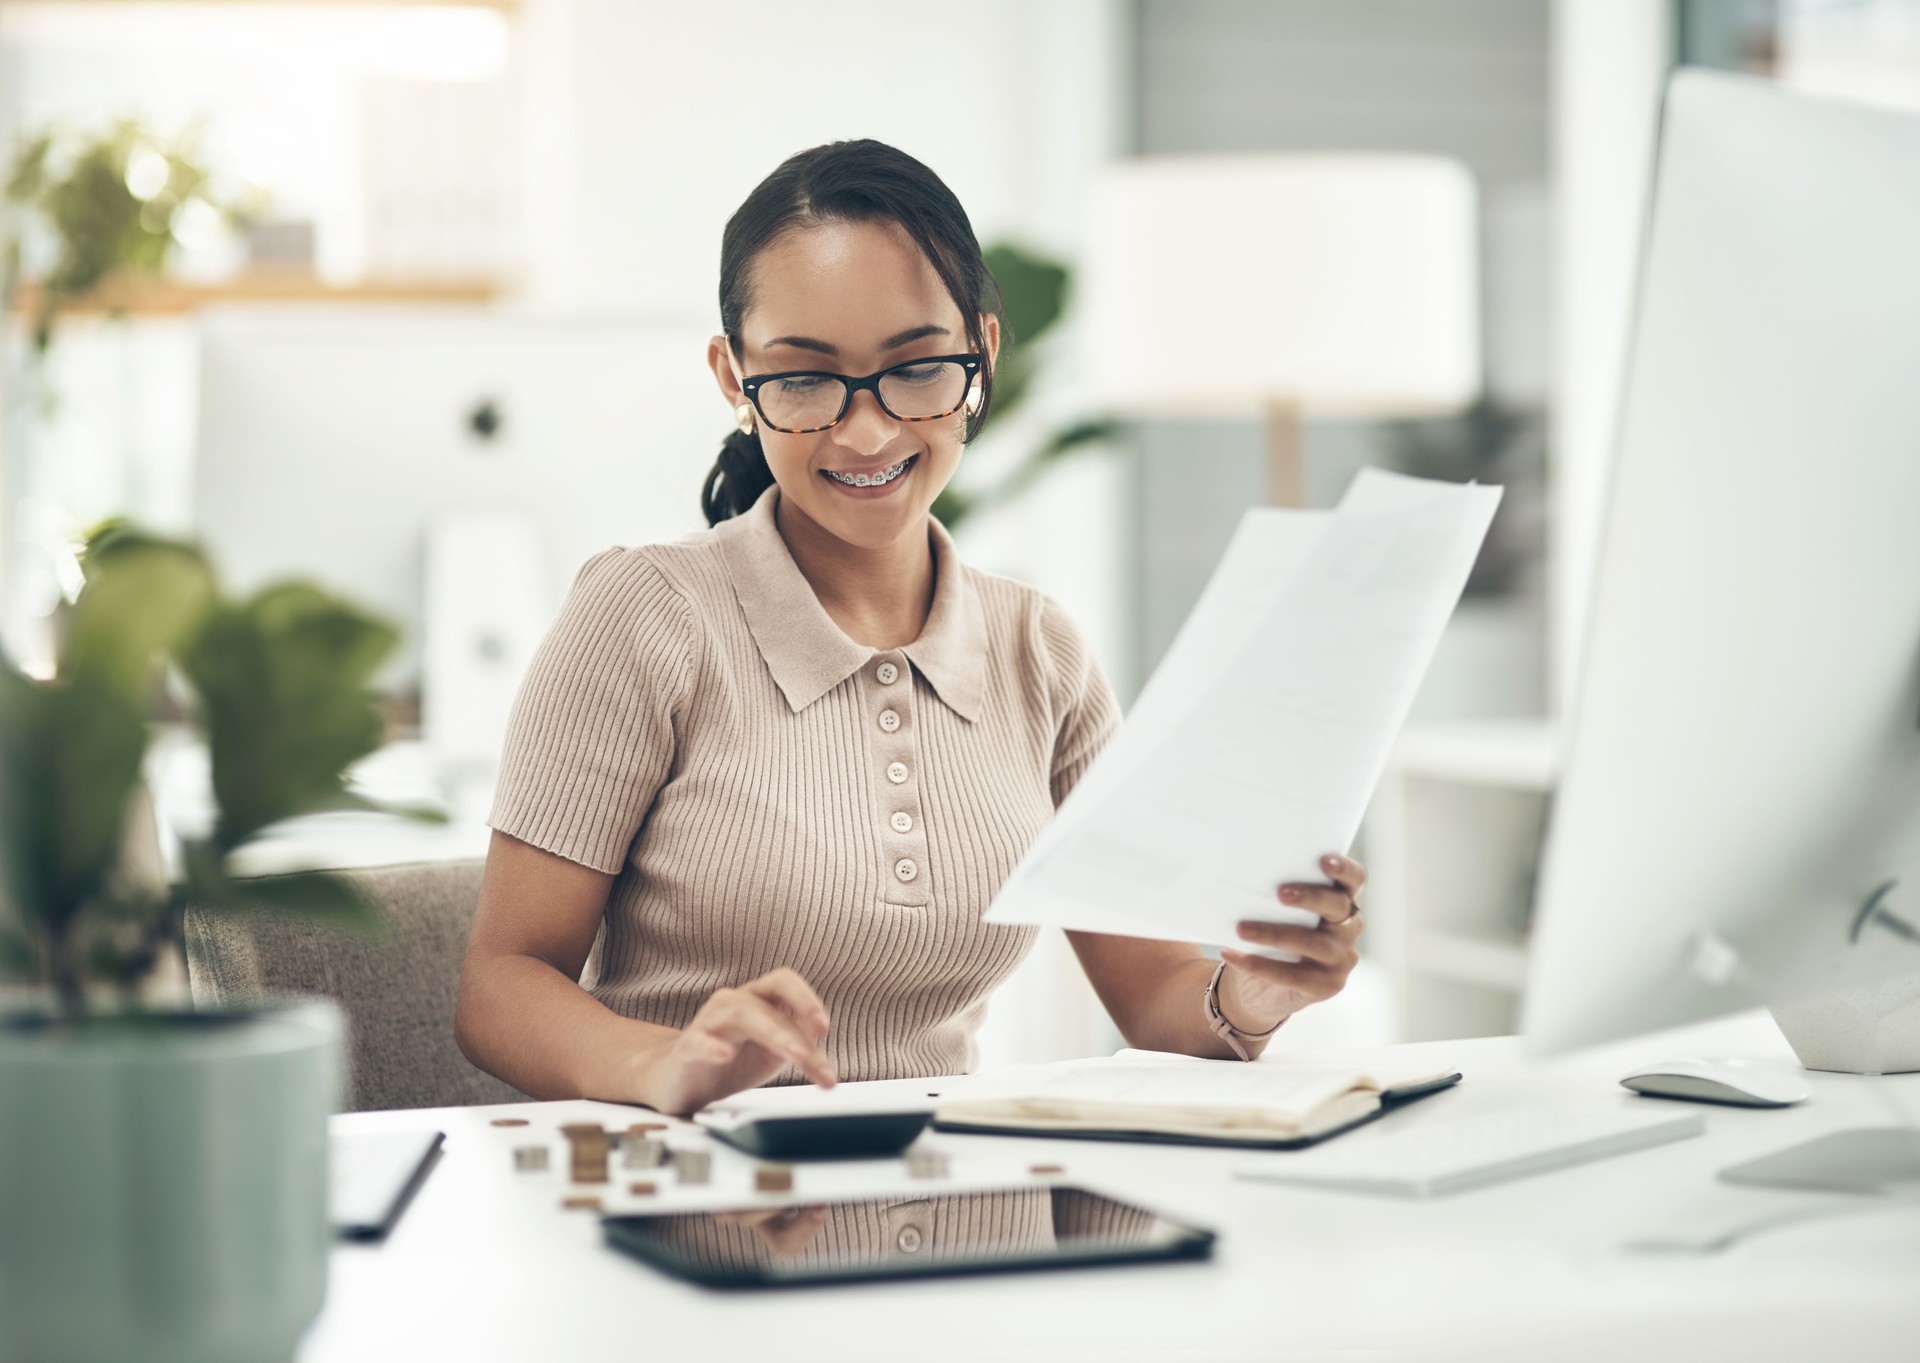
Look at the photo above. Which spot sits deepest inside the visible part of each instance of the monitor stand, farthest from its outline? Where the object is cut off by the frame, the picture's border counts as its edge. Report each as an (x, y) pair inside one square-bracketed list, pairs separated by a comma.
[(1871, 1159)]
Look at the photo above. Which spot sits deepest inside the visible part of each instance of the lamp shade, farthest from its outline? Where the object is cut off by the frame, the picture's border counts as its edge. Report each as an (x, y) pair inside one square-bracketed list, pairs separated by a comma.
[(1340, 285)]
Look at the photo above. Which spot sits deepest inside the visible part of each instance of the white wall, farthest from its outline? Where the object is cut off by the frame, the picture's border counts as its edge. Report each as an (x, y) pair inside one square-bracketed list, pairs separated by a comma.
[(1610, 61), (669, 114)]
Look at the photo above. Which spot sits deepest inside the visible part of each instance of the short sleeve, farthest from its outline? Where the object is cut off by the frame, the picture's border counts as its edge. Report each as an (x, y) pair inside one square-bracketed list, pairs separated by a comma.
[(591, 737), (1089, 713)]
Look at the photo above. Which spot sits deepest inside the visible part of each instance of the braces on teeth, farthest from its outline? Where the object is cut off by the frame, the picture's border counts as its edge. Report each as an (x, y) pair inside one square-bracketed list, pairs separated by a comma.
[(871, 480)]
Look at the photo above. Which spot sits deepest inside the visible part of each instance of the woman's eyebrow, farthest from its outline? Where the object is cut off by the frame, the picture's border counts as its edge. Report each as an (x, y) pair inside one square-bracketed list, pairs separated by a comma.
[(893, 342)]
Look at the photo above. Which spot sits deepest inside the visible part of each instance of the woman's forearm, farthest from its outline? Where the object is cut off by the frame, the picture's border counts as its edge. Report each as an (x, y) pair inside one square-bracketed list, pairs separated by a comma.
[(1153, 992), (1174, 1018), (521, 1019)]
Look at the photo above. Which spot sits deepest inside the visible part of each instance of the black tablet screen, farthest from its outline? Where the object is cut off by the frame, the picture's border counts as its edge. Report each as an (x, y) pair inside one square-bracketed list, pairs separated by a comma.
[(905, 1236)]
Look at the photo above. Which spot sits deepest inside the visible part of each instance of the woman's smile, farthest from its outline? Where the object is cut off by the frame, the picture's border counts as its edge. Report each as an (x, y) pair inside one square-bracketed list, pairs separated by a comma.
[(879, 482)]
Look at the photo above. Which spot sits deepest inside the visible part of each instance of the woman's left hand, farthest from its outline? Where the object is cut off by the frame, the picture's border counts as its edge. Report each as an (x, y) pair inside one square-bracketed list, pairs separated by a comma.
[(1256, 992)]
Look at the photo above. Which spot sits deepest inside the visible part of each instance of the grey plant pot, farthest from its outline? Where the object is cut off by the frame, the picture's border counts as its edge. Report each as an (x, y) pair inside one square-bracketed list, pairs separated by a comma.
[(1862, 1029), (163, 1184)]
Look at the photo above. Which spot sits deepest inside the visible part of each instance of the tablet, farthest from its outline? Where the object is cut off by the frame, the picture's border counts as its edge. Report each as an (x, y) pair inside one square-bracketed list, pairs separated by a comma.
[(905, 1236)]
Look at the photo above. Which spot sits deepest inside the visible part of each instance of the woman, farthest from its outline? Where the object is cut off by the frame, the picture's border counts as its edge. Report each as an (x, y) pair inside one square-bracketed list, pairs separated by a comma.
[(760, 784)]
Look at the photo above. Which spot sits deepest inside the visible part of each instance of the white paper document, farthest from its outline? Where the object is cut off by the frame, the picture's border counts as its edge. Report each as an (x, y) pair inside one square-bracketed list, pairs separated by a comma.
[(1256, 745)]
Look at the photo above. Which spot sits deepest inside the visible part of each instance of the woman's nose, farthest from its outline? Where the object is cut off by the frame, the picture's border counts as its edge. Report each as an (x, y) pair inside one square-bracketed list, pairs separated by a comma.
[(866, 428)]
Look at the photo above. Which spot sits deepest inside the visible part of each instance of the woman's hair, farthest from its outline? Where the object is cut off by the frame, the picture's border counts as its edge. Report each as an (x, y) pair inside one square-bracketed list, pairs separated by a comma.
[(863, 181)]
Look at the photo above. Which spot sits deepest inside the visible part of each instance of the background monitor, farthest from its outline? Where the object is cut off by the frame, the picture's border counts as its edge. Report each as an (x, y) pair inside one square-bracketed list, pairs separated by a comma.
[(468, 458), (1743, 763)]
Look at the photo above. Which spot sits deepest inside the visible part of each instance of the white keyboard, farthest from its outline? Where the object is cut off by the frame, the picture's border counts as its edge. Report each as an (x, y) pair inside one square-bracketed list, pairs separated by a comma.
[(1426, 1161)]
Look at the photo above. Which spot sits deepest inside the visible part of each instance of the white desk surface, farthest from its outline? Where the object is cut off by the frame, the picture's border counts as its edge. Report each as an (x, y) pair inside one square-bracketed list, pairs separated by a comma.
[(486, 1265)]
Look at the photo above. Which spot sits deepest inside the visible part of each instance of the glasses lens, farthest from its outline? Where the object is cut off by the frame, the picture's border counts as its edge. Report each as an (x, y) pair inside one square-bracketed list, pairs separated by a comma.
[(802, 401), (925, 390)]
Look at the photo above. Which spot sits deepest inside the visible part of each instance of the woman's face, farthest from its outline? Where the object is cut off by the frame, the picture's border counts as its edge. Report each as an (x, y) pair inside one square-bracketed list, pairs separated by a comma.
[(851, 298)]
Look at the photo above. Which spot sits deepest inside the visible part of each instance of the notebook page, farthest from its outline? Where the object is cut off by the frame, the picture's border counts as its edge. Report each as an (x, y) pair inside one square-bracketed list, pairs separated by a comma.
[(1372, 1074), (1158, 1084)]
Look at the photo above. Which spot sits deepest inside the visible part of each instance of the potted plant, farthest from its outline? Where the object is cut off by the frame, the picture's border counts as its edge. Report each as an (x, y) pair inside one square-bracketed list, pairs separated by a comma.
[(91, 218), (1033, 294), (163, 1171)]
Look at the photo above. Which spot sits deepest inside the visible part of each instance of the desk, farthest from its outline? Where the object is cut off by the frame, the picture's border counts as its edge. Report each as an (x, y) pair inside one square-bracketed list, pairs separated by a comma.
[(485, 1265)]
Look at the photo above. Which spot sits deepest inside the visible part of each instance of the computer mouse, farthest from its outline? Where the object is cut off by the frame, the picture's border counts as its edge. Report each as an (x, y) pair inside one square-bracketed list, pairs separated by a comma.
[(1743, 1083)]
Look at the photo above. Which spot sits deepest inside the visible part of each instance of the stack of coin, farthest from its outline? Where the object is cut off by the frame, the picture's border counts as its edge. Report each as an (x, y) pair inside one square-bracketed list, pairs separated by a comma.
[(530, 1159), (693, 1166), (925, 1163), (641, 1152), (773, 1178), (590, 1146)]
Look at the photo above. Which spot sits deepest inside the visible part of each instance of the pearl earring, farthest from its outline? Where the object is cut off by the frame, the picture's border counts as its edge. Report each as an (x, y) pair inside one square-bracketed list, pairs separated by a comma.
[(743, 418)]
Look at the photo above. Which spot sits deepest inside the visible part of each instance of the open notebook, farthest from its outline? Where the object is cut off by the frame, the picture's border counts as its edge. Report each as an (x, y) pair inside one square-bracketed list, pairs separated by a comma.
[(1152, 1096)]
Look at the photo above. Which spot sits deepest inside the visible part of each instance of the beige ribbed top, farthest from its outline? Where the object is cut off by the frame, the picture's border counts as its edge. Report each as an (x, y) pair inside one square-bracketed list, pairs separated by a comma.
[(862, 1233), (769, 792)]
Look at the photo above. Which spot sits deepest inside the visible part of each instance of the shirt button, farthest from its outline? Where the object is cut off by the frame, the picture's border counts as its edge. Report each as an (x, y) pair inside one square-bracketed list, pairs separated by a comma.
[(902, 822), (889, 720), (887, 673), (905, 869), (909, 1240), (896, 772)]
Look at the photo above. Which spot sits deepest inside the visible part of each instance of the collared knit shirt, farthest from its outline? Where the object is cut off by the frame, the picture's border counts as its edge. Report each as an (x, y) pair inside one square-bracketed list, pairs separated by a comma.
[(768, 792)]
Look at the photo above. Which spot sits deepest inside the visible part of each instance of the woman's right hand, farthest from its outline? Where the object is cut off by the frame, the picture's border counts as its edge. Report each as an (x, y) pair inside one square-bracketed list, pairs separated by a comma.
[(738, 1040)]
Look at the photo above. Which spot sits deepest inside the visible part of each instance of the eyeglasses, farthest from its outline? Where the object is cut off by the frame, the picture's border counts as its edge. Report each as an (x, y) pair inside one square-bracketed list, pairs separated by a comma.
[(800, 402)]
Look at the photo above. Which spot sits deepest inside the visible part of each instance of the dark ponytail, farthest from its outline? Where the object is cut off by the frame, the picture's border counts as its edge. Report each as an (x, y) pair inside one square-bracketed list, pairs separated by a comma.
[(863, 181), (737, 478)]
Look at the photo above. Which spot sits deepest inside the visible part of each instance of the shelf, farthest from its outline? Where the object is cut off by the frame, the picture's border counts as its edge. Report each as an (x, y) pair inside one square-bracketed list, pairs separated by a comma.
[(1517, 754), (163, 297), (1468, 960), (507, 6)]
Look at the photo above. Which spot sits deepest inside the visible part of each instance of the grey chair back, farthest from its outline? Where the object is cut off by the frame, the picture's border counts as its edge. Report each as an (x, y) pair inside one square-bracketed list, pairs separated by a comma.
[(398, 994)]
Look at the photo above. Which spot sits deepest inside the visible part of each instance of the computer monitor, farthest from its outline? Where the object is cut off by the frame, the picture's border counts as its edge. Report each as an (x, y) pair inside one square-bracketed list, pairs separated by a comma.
[(474, 456), (1742, 767)]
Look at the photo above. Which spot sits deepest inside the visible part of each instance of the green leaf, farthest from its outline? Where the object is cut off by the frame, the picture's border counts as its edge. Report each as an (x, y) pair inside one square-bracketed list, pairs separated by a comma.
[(29, 174), (952, 507), (354, 800), (1033, 290), (143, 598), (1012, 375), (317, 897), (284, 681), (18, 959), (100, 228), (70, 754)]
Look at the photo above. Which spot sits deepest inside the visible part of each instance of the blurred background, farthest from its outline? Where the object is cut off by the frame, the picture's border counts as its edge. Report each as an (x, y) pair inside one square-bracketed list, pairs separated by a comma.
[(413, 300)]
